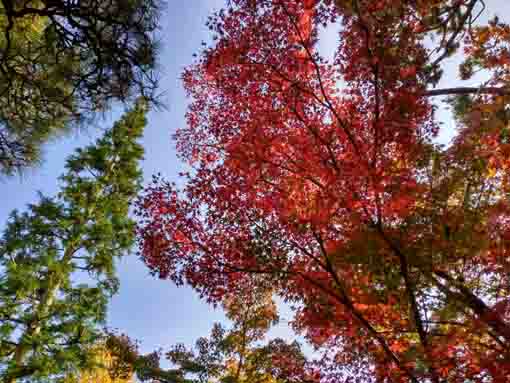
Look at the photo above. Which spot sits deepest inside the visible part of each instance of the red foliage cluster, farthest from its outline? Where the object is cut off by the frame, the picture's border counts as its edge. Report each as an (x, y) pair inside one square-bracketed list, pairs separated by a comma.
[(323, 179)]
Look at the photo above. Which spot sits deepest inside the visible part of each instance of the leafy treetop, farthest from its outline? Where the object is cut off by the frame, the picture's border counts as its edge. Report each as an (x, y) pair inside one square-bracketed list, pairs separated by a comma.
[(239, 354)]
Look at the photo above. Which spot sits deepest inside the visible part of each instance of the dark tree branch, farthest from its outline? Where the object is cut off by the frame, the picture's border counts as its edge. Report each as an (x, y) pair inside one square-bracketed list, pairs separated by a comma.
[(479, 307), (499, 91), (450, 44)]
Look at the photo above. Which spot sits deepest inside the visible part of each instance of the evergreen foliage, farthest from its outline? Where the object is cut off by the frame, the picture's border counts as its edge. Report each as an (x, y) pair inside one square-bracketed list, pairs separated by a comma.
[(61, 61), (57, 259)]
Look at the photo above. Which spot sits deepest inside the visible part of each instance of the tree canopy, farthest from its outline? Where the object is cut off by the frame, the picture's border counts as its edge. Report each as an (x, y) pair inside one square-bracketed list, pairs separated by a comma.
[(63, 61), (240, 353), (325, 179), (57, 259)]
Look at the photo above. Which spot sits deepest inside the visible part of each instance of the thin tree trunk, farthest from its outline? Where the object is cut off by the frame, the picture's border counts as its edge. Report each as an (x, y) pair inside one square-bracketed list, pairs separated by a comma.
[(35, 326)]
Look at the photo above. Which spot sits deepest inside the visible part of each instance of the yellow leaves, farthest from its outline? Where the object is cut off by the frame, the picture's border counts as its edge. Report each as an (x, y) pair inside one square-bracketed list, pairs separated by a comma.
[(104, 363), (25, 29), (231, 365), (455, 200), (436, 164), (491, 172), (346, 6)]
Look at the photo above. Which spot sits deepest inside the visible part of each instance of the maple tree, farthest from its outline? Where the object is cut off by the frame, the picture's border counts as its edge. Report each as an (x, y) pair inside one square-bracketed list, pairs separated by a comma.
[(326, 180), (57, 259)]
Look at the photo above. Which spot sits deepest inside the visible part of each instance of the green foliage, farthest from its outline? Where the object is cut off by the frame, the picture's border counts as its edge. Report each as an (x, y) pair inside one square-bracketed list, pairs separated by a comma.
[(57, 259), (62, 61), (237, 354), (461, 105)]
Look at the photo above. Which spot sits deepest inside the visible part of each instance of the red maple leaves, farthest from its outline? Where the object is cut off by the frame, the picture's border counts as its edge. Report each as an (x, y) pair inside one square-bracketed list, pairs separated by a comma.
[(323, 179)]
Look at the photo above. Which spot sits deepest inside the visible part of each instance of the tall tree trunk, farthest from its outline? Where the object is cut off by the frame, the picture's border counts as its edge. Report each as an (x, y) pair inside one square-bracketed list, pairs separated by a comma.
[(53, 281)]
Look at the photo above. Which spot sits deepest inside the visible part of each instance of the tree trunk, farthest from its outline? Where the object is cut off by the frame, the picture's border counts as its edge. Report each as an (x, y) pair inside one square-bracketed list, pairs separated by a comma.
[(35, 325)]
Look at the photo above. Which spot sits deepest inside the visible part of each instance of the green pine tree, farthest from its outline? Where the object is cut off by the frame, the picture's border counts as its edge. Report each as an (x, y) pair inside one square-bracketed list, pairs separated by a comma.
[(61, 62), (47, 318)]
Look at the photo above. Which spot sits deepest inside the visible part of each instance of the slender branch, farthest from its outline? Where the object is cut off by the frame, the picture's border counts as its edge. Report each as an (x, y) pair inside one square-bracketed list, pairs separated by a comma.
[(347, 302), (467, 90), (449, 45), (410, 291), (327, 102), (342, 298)]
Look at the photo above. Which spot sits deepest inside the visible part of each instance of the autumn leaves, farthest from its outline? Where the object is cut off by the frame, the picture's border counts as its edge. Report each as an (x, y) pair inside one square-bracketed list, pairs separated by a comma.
[(339, 196)]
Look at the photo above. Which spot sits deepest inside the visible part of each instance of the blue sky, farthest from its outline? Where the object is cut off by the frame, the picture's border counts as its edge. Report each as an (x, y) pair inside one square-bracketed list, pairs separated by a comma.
[(153, 311)]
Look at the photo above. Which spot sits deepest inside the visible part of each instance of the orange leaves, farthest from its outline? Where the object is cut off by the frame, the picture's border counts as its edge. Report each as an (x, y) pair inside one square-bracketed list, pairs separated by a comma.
[(361, 307), (305, 25), (302, 30), (399, 346), (309, 4), (489, 48), (301, 35)]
